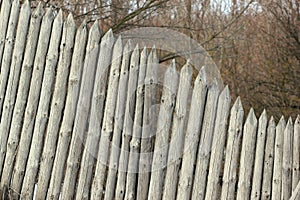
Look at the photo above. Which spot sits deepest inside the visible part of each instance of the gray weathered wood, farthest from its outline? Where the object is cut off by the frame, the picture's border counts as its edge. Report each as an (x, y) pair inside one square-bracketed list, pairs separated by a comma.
[(148, 127), (7, 54), (4, 16), (43, 108), (204, 146), (259, 157), (164, 123), (235, 131), (296, 193), (15, 65), (218, 144), (276, 179), (118, 125), (57, 105), (69, 112), (110, 63), (178, 133), (82, 113), (131, 102), (136, 136), (287, 161), (192, 137), (13, 124), (268, 161), (32, 103), (247, 157), (296, 153)]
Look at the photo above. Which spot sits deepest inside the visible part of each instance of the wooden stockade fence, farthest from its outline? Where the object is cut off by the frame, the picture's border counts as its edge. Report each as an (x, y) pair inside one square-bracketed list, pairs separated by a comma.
[(77, 122)]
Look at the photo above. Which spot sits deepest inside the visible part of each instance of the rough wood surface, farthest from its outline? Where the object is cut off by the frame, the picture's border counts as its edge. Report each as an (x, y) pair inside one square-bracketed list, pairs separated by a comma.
[(7, 55), (247, 157), (136, 99), (4, 16), (69, 112), (149, 123), (128, 122), (218, 144), (268, 161), (13, 78), (192, 137), (259, 156), (178, 133), (32, 103), (82, 113), (164, 123), (118, 125), (204, 146), (107, 58), (98, 103), (276, 179), (135, 140), (296, 153), (287, 161), (57, 106), (15, 113), (43, 109), (235, 131)]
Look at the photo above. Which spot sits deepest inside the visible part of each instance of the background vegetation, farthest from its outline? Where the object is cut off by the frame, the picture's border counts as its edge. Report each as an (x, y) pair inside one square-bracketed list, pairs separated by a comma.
[(255, 44)]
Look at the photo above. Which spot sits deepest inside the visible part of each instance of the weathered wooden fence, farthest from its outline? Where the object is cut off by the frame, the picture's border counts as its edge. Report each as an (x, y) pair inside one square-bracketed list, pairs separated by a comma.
[(77, 121)]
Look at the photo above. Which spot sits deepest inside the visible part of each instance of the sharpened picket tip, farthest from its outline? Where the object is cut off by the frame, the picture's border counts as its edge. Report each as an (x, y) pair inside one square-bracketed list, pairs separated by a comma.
[(202, 77), (251, 118), (238, 106), (127, 47), (281, 122), (39, 11), (289, 123), (108, 36), (263, 115), (59, 15), (272, 122), (70, 20), (25, 7), (225, 93)]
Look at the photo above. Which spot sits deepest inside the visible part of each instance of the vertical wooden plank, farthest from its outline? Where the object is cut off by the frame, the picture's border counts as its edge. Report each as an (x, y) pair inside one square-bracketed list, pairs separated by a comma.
[(15, 65), (128, 124), (136, 136), (218, 144), (32, 103), (110, 59), (82, 113), (268, 161), (204, 146), (192, 137), (296, 153), (296, 193), (13, 123), (247, 156), (259, 157), (7, 54), (69, 112), (276, 183), (4, 16), (118, 125), (148, 127), (178, 134), (57, 105), (43, 109), (232, 153), (287, 161), (164, 123)]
